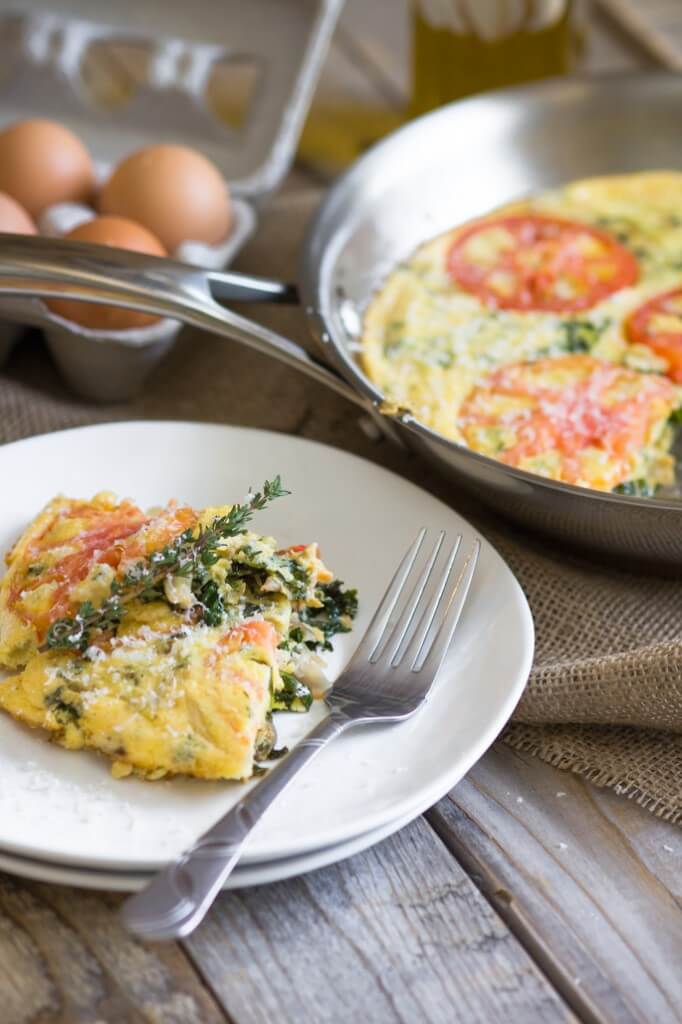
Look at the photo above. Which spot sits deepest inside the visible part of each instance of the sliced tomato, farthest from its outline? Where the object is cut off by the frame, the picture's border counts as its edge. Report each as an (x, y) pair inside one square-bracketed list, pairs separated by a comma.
[(254, 633), (529, 261), (570, 404), (102, 530), (154, 535), (111, 536), (658, 324)]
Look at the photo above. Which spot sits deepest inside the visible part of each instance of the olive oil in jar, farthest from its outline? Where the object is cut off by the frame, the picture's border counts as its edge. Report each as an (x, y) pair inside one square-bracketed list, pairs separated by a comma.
[(461, 47)]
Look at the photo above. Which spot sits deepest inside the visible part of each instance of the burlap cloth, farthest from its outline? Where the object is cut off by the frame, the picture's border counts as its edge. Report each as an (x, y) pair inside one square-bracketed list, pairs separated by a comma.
[(605, 694)]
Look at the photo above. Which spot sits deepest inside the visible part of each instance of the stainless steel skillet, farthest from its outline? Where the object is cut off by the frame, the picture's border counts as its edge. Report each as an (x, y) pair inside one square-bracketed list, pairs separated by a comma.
[(435, 172)]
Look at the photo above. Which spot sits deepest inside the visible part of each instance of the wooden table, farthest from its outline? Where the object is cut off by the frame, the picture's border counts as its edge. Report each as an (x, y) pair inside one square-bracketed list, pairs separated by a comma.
[(525, 895)]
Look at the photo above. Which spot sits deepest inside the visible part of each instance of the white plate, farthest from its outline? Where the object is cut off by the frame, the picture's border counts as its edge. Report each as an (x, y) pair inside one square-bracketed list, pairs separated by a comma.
[(63, 806), (242, 876)]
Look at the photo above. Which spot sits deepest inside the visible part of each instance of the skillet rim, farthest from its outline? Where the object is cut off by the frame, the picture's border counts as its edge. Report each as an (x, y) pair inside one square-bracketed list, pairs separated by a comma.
[(317, 237)]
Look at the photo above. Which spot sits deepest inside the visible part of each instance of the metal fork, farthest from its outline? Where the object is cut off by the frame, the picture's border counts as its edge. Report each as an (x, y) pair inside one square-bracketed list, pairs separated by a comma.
[(388, 680)]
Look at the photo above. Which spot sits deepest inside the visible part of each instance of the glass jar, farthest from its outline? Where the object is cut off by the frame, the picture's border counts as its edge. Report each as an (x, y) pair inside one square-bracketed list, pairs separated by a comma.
[(461, 47)]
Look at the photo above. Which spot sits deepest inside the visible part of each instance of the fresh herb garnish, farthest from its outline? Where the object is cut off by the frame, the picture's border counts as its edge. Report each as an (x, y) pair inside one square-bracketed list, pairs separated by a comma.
[(189, 555), (675, 417)]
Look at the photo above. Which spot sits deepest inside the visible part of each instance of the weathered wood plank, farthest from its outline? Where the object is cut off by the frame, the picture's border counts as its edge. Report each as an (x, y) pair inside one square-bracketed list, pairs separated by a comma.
[(65, 959), (587, 881), (395, 934)]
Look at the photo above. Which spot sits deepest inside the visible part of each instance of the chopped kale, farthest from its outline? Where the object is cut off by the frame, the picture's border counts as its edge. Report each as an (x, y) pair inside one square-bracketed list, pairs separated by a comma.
[(64, 711), (293, 696), (211, 602), (339, 607), (252, 565), (580, 335), (637, 488)]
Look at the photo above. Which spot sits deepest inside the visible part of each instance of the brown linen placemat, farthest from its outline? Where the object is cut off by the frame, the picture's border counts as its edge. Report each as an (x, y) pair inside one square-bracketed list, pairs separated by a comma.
[(605, 694)]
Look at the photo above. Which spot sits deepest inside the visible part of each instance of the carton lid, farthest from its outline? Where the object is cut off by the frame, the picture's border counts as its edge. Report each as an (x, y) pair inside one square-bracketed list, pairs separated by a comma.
[(233, 78)]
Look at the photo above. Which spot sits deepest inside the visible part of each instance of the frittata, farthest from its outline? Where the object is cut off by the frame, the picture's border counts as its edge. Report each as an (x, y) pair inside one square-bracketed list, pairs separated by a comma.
[(164, 640), (574, 281)]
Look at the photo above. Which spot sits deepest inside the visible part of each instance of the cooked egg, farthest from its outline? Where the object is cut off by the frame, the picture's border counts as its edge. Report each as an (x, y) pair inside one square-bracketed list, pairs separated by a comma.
[(41, 163), (161, 688), (174, 191), (585, 270), (13, 217), (120, 234)]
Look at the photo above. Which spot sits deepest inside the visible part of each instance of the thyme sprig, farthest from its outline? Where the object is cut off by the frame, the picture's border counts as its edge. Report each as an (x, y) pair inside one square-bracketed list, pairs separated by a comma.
[(188, 555)]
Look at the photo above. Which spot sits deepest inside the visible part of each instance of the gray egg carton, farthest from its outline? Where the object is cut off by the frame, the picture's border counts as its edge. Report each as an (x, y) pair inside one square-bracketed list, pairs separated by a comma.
[(45, 56)]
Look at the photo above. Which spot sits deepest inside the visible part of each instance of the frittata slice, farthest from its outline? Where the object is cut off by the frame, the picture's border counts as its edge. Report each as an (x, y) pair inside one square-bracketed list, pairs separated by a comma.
[(164, 640), (590, 268), (161, 700)]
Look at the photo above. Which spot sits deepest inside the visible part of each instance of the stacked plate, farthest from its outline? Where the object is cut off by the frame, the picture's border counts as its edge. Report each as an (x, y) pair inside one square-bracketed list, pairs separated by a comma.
[(64, 819)]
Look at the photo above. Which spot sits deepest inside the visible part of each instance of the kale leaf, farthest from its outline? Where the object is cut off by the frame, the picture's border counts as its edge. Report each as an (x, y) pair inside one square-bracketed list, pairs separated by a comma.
[(293, 696), (338, 608)]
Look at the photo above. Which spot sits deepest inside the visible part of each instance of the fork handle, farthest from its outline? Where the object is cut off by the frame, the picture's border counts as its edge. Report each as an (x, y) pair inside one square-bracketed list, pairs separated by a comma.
[(177, 899)]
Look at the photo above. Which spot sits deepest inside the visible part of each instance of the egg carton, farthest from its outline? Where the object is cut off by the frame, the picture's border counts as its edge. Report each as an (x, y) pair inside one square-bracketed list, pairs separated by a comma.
[(102, 365), (43, 57), (112, 365)]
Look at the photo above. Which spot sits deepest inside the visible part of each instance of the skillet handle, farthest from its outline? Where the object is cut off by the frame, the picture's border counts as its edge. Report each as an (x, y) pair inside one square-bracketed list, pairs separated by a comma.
[(227, 286), (35, 266)]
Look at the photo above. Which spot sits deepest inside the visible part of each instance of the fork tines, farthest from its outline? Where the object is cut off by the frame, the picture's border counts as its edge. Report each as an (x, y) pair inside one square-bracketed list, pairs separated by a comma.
[(415, 622)]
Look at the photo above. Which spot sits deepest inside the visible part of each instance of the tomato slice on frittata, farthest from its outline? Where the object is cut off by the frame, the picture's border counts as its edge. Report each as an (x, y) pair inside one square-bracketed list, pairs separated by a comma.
[(70, 554), (575, 419), (658, 324), (529, 261)]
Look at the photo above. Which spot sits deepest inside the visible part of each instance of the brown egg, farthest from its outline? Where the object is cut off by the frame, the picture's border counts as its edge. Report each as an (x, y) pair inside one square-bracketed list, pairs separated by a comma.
[(120, 234), (41, 163), (13, 217), (174, 191)]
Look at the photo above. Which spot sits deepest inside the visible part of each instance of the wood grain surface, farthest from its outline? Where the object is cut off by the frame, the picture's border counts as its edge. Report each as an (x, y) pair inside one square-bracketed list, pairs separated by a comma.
[(396, 934), (584, 879), (64, 958)]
